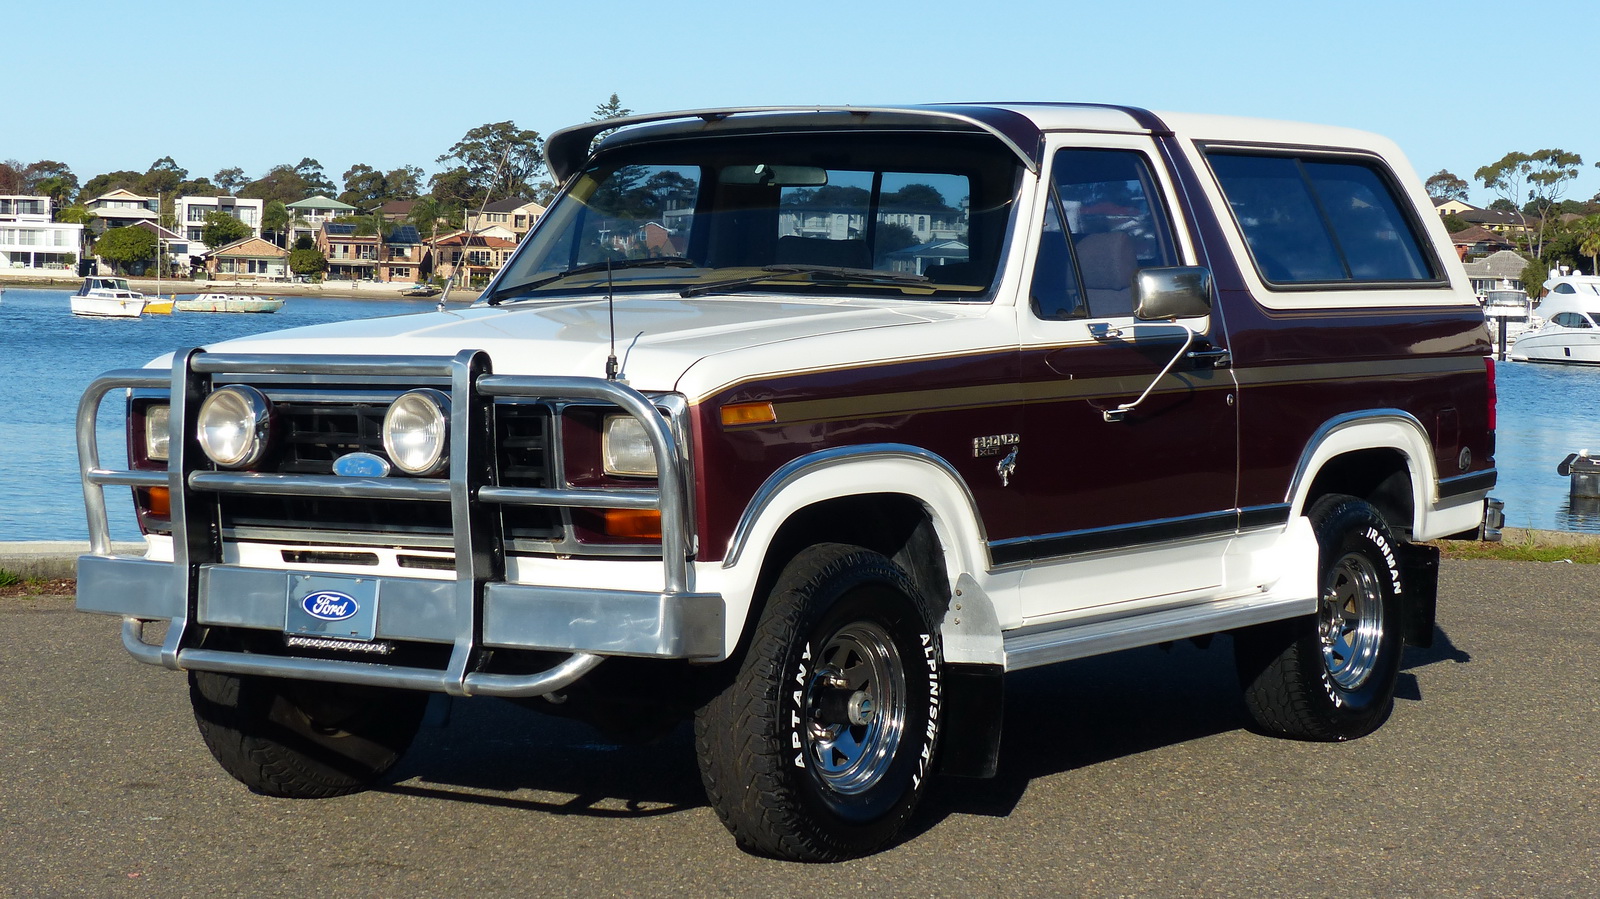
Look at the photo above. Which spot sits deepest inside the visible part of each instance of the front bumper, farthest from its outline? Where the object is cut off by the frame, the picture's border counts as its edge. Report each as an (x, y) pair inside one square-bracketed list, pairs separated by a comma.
[(474, 613)]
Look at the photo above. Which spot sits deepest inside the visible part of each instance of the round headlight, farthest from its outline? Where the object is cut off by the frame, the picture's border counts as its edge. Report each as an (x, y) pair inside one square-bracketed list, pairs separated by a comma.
[(416, 432), (233, 426)]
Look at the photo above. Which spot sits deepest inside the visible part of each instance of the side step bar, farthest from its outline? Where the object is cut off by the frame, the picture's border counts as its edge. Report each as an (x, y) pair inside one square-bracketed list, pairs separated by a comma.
[(1045, 645)]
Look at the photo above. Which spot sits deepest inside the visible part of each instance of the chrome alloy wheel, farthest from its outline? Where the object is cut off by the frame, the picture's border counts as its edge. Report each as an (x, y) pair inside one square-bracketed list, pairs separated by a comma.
[(855, 704), (1350, 621)]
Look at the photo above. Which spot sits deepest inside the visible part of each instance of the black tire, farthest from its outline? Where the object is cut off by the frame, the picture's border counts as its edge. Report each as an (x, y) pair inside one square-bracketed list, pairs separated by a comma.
[(303, 739), (824, 742), (1331, 676)]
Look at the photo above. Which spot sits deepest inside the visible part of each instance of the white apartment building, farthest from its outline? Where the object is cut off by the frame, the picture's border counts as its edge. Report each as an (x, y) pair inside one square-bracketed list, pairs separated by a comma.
[(30, 241), (191, 213)]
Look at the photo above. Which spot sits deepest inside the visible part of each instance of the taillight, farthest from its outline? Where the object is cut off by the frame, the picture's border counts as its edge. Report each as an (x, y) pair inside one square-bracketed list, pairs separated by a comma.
[(1494, 395), (1494, 401)]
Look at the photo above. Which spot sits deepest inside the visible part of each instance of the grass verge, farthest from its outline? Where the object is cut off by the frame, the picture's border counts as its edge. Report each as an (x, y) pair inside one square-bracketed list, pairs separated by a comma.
[(1521, 551)]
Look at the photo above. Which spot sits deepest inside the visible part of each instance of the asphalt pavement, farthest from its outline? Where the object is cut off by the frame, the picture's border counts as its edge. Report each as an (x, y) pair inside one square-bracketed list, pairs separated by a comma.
[(1128, 775)]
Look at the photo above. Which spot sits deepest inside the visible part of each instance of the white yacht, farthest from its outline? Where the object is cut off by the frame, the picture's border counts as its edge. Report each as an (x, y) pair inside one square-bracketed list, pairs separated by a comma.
[(1571, 330), (108, 298)]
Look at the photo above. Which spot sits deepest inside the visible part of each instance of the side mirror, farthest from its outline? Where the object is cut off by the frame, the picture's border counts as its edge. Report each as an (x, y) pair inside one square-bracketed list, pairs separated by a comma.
[(1179, 291)]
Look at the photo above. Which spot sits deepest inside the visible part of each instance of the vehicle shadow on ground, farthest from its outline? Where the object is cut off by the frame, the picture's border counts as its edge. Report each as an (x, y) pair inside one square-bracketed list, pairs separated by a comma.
[(496, 753), (1058, 718)]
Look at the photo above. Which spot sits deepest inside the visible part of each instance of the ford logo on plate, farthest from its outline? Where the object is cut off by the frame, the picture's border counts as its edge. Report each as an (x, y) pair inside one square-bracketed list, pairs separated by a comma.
[(361, 465), (330, 605)]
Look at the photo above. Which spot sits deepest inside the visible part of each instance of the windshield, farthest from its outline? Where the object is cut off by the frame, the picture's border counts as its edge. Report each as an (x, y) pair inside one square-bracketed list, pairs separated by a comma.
[(869, 212)]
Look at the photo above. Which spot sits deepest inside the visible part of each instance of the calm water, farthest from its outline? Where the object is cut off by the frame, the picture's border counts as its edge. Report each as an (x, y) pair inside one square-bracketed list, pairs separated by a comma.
[(49, 356)]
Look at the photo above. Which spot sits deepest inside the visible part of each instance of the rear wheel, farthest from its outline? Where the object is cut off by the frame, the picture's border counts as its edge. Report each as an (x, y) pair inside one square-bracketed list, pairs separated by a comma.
[(1331, 676), (821, 747), (303, 739)]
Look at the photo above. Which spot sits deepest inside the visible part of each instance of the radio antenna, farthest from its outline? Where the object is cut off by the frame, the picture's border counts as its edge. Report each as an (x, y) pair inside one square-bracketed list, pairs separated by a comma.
[(611, 316)]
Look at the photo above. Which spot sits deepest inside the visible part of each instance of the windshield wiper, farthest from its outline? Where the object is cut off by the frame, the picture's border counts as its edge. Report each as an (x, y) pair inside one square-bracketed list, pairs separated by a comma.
[(812, 272), (590, 268)]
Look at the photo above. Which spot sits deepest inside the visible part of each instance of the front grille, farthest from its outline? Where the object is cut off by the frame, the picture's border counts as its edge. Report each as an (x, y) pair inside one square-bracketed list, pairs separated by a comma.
[(316, 434), (312, 435)]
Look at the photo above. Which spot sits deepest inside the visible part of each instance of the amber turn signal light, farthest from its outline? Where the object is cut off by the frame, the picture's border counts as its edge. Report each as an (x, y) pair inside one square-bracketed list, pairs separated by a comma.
[(638, 523), (160, 501), (748, 414)]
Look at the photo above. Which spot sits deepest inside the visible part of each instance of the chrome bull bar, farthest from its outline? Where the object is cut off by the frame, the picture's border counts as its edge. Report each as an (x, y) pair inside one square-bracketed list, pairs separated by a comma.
[(686, 624)]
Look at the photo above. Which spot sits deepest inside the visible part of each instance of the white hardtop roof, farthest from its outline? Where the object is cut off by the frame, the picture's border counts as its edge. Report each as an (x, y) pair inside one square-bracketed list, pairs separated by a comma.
[(1018, 125)]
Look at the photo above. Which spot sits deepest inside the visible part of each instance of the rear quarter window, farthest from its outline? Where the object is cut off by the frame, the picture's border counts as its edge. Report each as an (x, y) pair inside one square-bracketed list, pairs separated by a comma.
[(1312, 220)]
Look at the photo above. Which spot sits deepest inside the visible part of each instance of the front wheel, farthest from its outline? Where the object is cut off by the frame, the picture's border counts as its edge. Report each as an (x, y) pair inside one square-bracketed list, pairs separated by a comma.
[(1331, 676), (822, 745), (303, 739)]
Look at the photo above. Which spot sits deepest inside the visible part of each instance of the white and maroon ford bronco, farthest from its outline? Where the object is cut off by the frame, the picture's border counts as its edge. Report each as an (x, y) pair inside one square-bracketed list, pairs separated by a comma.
[(813, 423)]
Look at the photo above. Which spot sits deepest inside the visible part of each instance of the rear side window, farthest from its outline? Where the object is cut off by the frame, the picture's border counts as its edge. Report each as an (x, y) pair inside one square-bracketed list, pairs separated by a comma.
[(1321, 220)]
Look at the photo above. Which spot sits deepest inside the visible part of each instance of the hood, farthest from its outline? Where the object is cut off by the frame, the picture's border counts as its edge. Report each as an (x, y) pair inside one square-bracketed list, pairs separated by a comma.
[(657, 338)]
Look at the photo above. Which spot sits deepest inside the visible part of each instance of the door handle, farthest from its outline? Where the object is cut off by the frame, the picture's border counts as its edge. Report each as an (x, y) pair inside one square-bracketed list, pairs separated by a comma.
[(1217, 356)]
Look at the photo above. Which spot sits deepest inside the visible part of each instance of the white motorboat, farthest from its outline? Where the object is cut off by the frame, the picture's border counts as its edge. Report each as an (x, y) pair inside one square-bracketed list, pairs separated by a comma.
[(1571, 330), (108, 298), (227, 302)]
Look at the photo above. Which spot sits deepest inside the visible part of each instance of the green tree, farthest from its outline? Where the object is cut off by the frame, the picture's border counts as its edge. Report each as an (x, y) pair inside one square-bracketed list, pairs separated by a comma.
[(281, 183), (364, 187), (1444, 185), (163, 177), (307, 261), (499, 158), (611, 109), (230, 181), (75, 215), (1454, 223), (123, 247), (1533, 275), (1541, 176), (310, 172), (1588, 230), (275, 219), (222, 229), (892, 236), (60, 189), (425, 215), (403, 183), (103, 184)]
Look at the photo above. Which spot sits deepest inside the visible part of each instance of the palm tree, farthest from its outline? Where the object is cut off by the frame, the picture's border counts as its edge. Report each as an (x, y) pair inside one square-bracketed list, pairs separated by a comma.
[(1589, 240)]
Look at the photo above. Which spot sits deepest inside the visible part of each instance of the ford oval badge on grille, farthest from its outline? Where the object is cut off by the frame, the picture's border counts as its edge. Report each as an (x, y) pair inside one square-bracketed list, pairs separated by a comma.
[(361, 465), (330, 605)]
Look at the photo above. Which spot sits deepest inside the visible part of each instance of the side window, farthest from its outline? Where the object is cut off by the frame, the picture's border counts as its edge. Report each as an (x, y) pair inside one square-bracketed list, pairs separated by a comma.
[(1113, 213), (1055, 291), (1316, 220)]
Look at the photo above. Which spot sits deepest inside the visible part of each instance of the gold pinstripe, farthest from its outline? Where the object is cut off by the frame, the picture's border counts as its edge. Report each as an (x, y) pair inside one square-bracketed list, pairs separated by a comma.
[(981, 396)]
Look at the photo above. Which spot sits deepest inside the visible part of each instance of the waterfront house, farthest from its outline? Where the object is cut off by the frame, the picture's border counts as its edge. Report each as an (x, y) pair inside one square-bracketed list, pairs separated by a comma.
[(474, 257), (402, 257), (515, 216), (122, 207), (306, 217), (251, 258), (177, 247), (917, 259), (1497, 271), (191, 212), (1476, 241), (30, 242), (397, 212), (351, 256)]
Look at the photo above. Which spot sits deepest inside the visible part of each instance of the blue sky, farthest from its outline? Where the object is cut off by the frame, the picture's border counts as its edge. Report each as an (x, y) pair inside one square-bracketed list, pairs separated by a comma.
[(103, 86)]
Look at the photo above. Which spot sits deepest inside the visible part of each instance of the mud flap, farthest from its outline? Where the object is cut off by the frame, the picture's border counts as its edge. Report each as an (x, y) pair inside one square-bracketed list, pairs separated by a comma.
[(1419, 572), (974, 697)]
